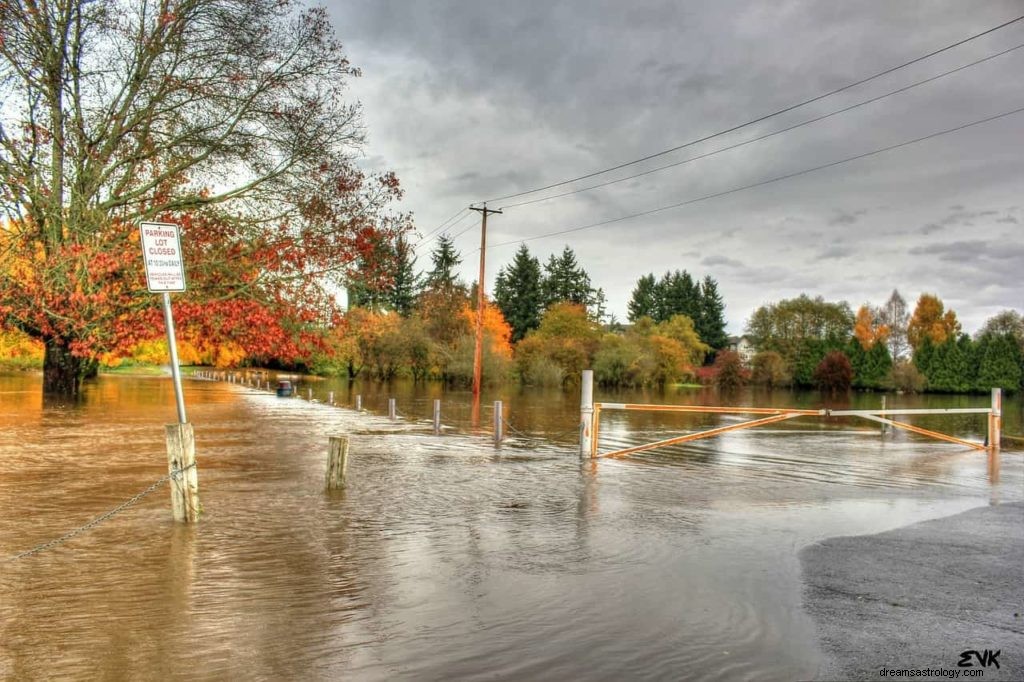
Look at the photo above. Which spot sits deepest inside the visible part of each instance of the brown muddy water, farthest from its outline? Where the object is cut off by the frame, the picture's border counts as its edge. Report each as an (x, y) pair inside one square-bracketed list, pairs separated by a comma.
[(445, 557)]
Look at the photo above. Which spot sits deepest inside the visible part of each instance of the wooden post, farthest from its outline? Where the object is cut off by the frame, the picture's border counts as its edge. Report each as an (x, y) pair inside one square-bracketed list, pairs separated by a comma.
[(498, 419), (884, 425), (330, 397), (437, 417), (181, 465), (392, 412), (586, 413), (359, 403), (309, 394), (995, 420), (337, 462)]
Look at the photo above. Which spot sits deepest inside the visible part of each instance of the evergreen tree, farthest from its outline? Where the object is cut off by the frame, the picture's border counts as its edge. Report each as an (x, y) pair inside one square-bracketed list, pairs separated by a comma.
[(710, 319), (949, 370), (518, 293), (644, 301), (401, 295), (445, 259), (999, 362), (678, 295), (566, 281)]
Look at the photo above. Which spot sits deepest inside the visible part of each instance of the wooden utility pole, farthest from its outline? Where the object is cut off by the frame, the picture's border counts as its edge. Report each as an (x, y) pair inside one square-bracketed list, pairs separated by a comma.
[(478, 350)]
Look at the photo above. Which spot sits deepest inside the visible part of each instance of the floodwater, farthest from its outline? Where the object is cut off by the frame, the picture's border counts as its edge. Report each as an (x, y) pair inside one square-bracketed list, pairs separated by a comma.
[(445, 557)]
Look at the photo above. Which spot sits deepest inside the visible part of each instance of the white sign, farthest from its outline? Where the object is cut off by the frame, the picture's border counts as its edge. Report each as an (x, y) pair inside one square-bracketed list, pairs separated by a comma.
[(161, 252)]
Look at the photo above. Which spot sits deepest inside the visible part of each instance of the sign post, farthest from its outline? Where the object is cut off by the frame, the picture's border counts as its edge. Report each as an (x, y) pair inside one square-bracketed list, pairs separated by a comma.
[(165, 272)]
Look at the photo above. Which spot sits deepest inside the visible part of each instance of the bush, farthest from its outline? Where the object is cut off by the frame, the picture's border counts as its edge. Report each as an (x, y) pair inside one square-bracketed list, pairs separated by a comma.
[(770, 370), (729, 371), (906, 377), (541, 371), (834, 373)]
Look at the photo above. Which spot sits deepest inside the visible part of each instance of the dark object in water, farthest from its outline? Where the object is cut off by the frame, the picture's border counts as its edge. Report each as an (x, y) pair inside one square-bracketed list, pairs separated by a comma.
[(284, 389)]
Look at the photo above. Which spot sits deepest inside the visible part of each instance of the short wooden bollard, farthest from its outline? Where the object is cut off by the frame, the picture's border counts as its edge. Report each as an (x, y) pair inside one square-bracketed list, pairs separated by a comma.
[(181, 465), (359, 403), (498, 423), (330, 397), (995, 420), (392, 412), (309, 394), (884, 425), (437, 417), (337, 462)]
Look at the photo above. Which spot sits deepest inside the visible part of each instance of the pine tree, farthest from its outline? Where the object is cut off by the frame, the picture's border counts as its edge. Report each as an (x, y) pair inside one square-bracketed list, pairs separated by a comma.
[(518, 293), (999, 363), (710, 318), (566, 281), (445, 259), (644, 301), (402, 293), (678, 295)]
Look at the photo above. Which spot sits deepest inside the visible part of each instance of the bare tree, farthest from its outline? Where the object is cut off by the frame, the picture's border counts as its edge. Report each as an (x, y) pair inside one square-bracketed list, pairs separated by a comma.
[(115, 110), (894, 315)]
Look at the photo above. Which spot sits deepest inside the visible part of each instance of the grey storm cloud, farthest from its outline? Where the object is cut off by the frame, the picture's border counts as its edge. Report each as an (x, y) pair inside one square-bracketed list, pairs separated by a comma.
[(474, 101)]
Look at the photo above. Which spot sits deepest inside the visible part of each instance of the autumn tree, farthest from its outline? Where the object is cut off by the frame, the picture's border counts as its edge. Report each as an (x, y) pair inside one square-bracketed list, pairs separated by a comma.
[(834, 372), (931, 320), (518, 293), (869, 329), (115, 112)]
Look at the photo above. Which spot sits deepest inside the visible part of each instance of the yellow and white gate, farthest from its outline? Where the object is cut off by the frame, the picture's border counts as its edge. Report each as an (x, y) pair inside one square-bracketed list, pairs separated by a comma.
[(590, 420)]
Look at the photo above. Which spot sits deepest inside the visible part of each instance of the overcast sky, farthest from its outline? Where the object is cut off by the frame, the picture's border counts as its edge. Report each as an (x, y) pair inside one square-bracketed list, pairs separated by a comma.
[(472, 100)]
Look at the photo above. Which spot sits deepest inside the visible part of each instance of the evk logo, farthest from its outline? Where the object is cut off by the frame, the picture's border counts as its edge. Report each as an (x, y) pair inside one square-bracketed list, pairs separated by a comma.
[(984, 659)]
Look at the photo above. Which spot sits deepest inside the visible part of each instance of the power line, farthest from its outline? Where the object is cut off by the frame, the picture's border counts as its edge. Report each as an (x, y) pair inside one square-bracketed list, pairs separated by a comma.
[(765, 182), (766, 135), (424, 241), (424, 237), (764, 117)]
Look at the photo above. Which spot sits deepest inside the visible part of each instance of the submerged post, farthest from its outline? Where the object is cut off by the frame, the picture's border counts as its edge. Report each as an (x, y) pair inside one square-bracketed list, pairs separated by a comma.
[(181, 465), (995, 420), (337, 462), (392, 412), (586, 413), (359, 403), (437, 417), (884, 425), (330, 397), (497, 423)]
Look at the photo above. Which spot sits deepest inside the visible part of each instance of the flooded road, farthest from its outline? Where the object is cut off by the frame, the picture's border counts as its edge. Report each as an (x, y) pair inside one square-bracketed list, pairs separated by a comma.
[(444, 557)]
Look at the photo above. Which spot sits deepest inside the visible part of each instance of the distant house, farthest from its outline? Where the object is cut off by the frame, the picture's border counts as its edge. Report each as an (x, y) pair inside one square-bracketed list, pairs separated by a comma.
[(741, 346)]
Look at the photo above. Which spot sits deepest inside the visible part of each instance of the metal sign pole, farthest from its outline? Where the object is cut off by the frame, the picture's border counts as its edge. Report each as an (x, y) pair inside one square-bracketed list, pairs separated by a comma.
[(173, 347)]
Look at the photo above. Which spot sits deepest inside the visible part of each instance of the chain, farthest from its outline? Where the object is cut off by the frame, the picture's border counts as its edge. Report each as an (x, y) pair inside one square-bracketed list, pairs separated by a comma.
[(99, 519), (576, 429)]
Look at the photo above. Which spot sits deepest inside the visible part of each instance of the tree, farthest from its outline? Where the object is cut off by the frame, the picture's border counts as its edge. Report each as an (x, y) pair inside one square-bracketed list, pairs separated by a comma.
[(930, 319), (566, 338), (445, 259), (895, 317), (1007, 322), (999, 362), (644, 301), (565, 281), (115, 112), (770, 369), (711, 315), (729, 371), (404, 284), (869, 329), (518, 293), (677, 294), (834, 372)]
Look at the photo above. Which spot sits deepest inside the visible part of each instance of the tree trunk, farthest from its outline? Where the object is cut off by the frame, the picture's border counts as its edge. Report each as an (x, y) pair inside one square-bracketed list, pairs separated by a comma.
[(62, 371)]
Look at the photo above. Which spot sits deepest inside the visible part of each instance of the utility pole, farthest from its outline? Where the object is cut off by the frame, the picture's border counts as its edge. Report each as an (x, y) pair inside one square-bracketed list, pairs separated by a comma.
[(478, 350)]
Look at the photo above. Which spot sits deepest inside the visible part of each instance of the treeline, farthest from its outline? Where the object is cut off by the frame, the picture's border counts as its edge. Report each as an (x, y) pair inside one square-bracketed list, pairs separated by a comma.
[(812, 342), (543, 325)]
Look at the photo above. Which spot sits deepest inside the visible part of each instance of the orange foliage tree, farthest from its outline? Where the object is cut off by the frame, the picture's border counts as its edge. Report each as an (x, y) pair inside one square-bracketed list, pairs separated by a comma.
[(869, 329), (931, 320)]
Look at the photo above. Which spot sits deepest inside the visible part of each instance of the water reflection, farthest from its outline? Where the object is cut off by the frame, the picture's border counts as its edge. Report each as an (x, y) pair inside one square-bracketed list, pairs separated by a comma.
[(444, 557)]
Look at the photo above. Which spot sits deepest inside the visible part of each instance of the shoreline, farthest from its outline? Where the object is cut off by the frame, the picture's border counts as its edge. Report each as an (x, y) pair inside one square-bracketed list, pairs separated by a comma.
[(919, 596)]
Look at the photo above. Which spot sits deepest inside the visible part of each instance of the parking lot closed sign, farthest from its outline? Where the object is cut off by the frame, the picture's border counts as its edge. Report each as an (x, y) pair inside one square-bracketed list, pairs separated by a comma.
[(161, 252)]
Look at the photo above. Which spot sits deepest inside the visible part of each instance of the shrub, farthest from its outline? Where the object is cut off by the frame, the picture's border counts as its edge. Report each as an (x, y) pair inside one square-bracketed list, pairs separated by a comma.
[(904, 376), (770, 369), (729, 371), (834, 372)]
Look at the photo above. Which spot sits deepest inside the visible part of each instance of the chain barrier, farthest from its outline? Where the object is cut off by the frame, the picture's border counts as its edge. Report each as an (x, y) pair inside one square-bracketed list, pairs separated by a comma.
[(99, 519), (547, 437)]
